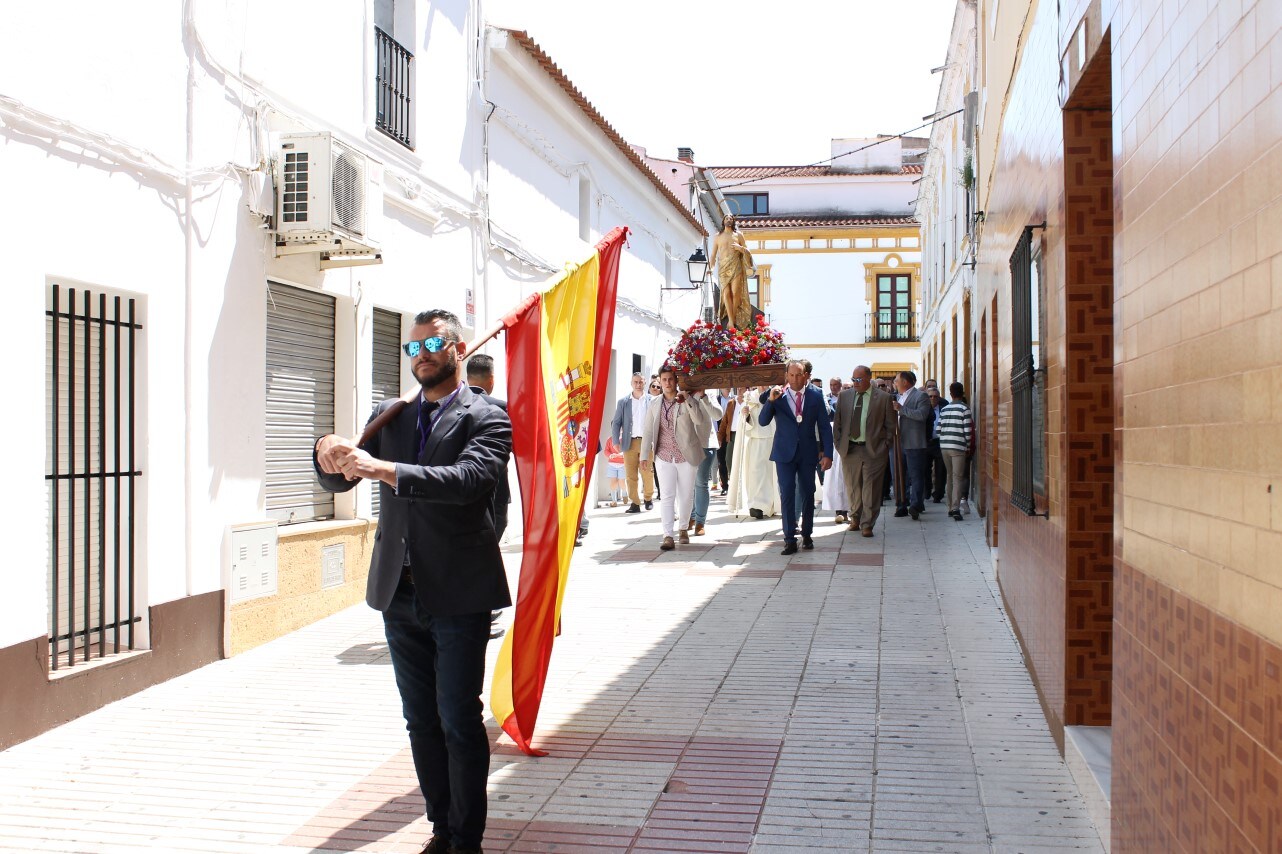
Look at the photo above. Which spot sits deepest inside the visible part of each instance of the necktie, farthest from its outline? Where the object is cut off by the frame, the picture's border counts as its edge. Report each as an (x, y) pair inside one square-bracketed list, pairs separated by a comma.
[(856, 429), (798, 397), (425, 410)]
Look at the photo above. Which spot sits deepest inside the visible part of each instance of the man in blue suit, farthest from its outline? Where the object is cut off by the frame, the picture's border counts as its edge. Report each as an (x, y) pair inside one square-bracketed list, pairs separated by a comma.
[(803, 439)]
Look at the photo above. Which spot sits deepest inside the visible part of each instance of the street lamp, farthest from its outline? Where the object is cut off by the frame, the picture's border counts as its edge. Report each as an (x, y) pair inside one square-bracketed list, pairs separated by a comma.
[(697, 269), (697, 265)]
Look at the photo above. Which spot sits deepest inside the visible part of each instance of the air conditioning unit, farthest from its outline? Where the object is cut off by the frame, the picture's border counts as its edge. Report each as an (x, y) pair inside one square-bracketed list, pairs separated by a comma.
[(328, 198)]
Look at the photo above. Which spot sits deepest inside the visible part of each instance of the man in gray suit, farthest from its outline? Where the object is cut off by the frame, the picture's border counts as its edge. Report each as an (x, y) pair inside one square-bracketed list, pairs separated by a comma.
[(863, 428), (436, 572), (916, 417)]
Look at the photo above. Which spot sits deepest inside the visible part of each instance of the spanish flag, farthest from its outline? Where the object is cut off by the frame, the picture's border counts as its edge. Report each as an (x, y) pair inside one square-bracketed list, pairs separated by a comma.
[(558, 356)]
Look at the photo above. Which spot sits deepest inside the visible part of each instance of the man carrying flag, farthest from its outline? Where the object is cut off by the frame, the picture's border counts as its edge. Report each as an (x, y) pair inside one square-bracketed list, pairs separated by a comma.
[(436, 572)]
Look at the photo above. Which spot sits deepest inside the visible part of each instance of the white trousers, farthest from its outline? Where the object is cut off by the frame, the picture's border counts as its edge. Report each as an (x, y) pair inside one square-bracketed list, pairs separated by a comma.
[(676, 486)]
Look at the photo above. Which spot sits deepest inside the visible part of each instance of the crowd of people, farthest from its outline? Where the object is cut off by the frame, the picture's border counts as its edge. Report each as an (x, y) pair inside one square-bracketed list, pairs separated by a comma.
[(780, 450)]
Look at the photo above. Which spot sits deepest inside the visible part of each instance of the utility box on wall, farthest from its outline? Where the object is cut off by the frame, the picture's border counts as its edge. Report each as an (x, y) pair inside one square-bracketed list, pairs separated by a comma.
[(252, 555)]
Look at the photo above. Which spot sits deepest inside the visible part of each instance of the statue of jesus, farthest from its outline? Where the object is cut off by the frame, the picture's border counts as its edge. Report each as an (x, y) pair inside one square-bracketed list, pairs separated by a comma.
[(731, 250)]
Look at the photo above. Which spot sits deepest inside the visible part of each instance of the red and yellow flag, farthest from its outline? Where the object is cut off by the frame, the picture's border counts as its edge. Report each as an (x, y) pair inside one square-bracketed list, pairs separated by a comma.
[(558, 356)]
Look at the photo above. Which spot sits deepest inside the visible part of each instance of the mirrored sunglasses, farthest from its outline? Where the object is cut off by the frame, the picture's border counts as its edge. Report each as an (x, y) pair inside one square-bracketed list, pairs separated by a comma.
[(431, 345)]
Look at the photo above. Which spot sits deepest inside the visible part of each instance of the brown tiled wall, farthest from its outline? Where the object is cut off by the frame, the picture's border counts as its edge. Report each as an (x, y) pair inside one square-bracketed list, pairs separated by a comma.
[(1086, 465), (1197, 734)]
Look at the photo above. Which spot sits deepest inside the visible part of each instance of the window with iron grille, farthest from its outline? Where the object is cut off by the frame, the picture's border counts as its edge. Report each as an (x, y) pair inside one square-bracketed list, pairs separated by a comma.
[(894, 318), (1028, 376), (393, 87), (92, 473)]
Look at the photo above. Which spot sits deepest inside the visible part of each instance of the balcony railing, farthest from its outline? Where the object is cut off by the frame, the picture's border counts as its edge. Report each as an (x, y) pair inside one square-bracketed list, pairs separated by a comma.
[(393, 88), (891, 325)]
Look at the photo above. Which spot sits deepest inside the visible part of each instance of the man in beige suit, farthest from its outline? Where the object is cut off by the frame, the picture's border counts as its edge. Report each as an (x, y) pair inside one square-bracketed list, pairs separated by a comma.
[(862, 430), (676, 433)]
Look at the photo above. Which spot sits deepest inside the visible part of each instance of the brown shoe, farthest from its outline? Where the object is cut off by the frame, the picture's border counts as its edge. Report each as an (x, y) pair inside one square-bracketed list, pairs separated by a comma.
[(698, 530), (854, 526), (436, 845), (667, 545), (683, 538), (867, 532), (690, 527)]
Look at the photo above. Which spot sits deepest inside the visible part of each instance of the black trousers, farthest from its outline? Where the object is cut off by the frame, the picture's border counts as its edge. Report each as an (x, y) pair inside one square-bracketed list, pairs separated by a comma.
[(939, 472)]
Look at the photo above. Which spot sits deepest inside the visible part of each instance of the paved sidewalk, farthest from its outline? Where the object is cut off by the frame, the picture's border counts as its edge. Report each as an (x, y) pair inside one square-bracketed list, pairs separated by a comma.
[(866, 696)]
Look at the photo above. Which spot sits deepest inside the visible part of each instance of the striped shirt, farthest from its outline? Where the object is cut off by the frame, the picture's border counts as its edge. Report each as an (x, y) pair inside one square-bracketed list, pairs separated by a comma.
[(955, 427)]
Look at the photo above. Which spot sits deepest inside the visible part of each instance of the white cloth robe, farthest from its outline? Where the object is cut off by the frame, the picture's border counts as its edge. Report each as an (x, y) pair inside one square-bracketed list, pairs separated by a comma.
[(752, 475)]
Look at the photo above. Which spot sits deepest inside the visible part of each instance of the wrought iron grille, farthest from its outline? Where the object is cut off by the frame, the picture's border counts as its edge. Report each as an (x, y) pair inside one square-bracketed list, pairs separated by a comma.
[(92, 474), (394, 84), (891, 324), (1026, 432)]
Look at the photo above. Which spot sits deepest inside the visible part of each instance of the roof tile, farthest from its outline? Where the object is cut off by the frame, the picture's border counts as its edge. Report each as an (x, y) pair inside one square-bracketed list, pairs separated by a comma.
[(821, 221), (825, 171)]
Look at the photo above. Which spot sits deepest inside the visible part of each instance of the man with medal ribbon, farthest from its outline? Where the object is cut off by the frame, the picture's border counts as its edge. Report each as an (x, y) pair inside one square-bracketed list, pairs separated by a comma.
[(803, 439)]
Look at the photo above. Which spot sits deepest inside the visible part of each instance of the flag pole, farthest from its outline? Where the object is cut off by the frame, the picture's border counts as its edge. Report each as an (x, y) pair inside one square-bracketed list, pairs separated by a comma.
[(380, 420)]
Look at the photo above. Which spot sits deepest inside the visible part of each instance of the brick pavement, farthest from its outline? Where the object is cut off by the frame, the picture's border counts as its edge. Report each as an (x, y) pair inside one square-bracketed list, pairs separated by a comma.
[(866, 696)]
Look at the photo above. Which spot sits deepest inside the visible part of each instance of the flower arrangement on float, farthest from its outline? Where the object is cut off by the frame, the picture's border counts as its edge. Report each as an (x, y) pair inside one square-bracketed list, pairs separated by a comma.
[(709, 355)]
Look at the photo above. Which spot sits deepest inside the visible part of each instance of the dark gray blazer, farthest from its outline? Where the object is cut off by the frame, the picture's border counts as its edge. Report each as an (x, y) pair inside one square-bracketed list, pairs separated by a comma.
[(444, 514), (916, 418)]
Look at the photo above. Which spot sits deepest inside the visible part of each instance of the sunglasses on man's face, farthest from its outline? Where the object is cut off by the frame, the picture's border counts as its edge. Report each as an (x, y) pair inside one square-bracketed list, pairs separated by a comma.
[(432, 345)]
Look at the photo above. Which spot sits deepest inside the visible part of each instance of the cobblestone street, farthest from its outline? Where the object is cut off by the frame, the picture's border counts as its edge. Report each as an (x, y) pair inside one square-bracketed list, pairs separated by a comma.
[(866, 696)]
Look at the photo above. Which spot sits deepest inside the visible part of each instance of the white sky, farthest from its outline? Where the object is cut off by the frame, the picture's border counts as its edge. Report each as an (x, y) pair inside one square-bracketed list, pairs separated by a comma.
[(755, 82)]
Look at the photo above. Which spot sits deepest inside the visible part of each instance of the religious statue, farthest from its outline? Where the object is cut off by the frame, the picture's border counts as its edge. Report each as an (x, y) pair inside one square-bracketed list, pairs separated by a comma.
[(733, 263)]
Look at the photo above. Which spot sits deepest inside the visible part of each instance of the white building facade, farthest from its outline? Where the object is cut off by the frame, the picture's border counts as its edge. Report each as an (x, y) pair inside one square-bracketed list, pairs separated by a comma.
[(948, 215), (178, 519), (837, 252)]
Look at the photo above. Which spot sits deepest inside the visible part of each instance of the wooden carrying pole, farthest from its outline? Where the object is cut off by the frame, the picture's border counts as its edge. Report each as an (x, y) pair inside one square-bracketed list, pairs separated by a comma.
[(901, 482), (380, 420)]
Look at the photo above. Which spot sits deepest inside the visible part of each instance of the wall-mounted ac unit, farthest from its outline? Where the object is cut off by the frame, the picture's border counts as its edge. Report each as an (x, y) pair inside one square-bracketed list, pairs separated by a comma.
[(328, 199)]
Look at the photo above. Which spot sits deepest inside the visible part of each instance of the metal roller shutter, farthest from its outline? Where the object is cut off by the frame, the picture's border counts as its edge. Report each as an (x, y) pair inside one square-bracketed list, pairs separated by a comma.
[(300, 400), (387, 368)]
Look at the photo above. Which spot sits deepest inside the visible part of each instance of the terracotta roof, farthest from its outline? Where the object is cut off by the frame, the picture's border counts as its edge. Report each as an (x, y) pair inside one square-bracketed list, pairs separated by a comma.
[(740, 172), (545, 62), (821, 221)]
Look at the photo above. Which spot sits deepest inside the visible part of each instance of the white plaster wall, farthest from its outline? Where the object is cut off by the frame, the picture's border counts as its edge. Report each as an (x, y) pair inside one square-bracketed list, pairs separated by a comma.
[(820, 298), (202, 93), (869, 195), (541, 145)]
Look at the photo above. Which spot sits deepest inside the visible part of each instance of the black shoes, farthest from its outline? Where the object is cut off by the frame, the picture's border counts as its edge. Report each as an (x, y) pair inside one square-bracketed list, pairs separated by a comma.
[(634, 508), (956, 514), (649, 505), (755, 513), (916, 514), (789, 548), (901, 511), (437, 845), (807, 543)]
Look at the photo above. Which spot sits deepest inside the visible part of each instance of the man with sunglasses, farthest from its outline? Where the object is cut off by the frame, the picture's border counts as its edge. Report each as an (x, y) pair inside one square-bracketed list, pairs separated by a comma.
[(436, 572)]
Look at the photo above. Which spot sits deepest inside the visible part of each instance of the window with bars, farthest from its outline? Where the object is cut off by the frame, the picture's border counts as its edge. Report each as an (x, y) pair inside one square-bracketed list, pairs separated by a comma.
[(92, 473), (894, 318), (1028, 376), (394, 73)]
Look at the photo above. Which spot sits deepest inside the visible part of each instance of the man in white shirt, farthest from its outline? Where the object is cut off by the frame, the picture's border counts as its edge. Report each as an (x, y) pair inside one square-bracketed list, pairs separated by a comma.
[(626, 428)]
